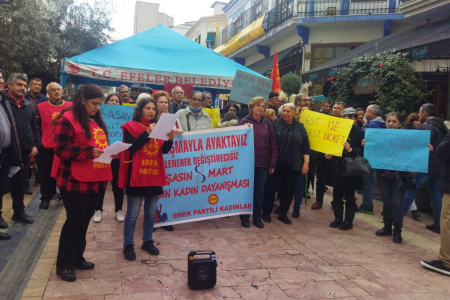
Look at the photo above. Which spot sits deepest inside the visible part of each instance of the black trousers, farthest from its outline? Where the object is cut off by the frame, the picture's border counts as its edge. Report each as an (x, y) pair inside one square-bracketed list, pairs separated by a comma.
[(117, 191), (79, 208), (48, 184), (285, 180), (320, 173), (18, 182), (350, 201)]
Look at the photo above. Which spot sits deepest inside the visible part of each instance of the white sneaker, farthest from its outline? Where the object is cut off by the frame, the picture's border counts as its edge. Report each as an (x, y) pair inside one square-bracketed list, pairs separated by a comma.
[(119, 216), (98, 216)]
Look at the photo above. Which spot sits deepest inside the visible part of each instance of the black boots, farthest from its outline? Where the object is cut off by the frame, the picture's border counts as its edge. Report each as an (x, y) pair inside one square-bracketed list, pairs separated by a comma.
[(386, 230), (397, 233), (338, 209), (350, 211)]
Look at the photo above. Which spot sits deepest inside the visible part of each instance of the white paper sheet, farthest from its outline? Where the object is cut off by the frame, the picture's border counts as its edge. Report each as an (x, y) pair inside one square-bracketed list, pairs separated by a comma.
[(165, 124), (113, 149)]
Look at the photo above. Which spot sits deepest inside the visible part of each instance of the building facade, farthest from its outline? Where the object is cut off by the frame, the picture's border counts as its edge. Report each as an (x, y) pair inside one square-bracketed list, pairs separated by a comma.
[(147, 15)]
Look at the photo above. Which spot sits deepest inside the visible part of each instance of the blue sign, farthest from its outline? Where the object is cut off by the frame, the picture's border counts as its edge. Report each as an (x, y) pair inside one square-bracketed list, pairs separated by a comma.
[(397, 149), (247, 86), (419, 52), (210, 175), (114, 116)]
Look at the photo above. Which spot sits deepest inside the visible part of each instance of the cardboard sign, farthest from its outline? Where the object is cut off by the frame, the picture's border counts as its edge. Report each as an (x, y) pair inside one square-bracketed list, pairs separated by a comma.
[(326, 134), (247, 86), (114, 116), (214, 114), (397, 150), (210, 175)]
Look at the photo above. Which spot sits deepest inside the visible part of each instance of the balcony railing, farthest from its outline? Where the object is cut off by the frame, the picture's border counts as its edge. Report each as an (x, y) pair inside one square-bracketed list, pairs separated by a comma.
[(403, 1), (278, 15), (324, 8)]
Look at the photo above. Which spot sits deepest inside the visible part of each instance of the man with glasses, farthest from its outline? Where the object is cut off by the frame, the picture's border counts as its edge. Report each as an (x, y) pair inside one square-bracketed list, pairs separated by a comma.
[(177, 104), (135, 91), (194, 117), (124, 94), (207, 103), (46, 112)]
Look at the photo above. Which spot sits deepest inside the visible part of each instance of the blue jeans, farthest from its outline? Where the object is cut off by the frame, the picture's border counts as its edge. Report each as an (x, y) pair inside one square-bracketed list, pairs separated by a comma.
[(133, 209), (392, 198), (258, 194), (436, 195), (367, 193), (299, 191)]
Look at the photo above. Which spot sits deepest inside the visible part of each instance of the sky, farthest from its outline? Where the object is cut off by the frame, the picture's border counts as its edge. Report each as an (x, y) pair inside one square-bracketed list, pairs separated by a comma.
[(181, 10)]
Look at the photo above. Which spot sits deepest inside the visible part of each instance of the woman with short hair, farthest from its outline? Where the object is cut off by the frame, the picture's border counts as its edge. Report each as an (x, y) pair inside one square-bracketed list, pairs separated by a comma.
[(142, 174), (113, 99), (266, 153), (293, 160)]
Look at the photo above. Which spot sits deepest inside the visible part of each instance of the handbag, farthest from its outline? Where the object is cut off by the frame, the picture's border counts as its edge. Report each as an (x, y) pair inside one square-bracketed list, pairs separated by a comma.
[(406, 183), (356, 166)]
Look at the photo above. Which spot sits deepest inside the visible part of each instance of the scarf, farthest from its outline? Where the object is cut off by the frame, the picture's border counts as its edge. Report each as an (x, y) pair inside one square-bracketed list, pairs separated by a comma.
[(145, 122), (286, 139)]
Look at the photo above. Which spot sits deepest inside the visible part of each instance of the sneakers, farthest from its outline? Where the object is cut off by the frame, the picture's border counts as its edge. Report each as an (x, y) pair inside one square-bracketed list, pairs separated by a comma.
[(98, 216), (128, 252), (434, 228), (367, 211), (436, 265), (317, 205), (119, 216), (150, 248)]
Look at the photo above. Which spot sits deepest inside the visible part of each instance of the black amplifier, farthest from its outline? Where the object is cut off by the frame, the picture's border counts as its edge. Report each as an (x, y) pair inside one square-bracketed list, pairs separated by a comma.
[(202, 271)]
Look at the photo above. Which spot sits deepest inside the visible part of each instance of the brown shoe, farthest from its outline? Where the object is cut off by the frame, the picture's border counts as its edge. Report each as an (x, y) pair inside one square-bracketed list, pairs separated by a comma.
[(317, 205)]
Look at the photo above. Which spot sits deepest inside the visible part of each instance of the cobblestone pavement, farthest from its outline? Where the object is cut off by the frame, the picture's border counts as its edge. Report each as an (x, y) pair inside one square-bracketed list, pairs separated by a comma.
[(305, 260)]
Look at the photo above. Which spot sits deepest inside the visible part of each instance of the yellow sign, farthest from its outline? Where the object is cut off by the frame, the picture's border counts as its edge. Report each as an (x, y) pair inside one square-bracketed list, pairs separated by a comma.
[(326, 134), (214, 114), (129, 104), (245, 37)]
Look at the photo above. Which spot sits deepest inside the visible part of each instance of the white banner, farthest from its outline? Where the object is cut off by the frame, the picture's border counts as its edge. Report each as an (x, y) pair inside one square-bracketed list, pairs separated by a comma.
[(142, 76)]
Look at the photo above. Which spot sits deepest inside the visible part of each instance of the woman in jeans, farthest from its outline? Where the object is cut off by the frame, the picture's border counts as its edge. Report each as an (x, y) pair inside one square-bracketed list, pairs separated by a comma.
[(293, 160), (80, 137), (142, 174), (266, 154), (112, 99)]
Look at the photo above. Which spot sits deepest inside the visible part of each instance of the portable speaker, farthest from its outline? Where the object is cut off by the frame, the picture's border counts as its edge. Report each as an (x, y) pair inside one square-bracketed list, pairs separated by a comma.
[(202, 272)]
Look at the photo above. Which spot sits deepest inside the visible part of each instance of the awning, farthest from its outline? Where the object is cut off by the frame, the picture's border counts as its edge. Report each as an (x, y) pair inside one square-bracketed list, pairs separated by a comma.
[(210, 37), (266, 64), (425, 42)]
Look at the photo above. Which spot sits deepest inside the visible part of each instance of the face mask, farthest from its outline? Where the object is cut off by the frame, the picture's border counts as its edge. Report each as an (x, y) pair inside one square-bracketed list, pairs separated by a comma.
[(194, 109)]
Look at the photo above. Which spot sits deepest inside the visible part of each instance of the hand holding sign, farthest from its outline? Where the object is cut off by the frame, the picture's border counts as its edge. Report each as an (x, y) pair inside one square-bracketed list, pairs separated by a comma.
[(326, 134)]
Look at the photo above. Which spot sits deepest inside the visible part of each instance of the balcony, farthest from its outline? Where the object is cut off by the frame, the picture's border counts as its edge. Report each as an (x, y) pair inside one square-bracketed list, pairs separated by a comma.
[(331, 8)]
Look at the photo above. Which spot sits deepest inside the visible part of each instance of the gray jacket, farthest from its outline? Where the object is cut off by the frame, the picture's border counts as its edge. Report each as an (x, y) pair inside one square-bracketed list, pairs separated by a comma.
[(190, 123)]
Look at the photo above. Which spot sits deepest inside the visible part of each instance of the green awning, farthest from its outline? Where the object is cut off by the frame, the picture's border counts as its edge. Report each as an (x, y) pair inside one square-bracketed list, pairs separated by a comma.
[(210, 37)]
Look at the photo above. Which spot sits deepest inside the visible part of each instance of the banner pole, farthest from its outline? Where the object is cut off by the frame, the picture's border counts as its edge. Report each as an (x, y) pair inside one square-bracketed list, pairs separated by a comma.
[(306, 189)]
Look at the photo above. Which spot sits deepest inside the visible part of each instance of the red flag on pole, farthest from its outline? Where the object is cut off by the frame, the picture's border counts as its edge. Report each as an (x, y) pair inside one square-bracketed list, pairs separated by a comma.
[(275, 76)]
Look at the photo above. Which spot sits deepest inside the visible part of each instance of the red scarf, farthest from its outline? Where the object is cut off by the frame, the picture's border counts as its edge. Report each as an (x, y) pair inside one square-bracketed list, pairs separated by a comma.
[(145, 122)]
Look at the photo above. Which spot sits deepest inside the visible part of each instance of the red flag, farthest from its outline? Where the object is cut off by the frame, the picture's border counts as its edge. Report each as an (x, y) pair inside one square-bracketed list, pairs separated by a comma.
[(275, 76)]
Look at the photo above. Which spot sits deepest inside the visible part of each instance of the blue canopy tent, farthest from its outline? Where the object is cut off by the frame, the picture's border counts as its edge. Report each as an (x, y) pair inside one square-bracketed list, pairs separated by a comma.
[(154, 57)]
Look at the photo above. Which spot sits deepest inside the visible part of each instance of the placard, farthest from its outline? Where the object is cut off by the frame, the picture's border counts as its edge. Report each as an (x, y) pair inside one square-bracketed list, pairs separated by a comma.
[(214, 114), (114, 116), (397, 149), (247, 86), (326, 134), (210, 175)]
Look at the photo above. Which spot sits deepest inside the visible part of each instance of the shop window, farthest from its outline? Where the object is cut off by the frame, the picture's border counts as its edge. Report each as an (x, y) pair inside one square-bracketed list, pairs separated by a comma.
[(324, 53)]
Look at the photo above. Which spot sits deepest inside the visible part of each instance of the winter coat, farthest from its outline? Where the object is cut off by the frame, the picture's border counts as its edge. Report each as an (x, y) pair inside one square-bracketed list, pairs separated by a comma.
[(204, 122), (15, 146), (438, 130), (377, 122), (335, 166), (443, 153), (266, 149)]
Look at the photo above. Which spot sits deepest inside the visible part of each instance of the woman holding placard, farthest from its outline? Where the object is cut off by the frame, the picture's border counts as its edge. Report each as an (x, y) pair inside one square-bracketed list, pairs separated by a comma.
[(142, 174), (344, 186)]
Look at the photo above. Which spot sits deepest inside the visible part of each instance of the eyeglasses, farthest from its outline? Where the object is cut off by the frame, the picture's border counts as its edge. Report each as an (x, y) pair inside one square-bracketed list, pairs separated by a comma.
[(135, 90), (196, 99)]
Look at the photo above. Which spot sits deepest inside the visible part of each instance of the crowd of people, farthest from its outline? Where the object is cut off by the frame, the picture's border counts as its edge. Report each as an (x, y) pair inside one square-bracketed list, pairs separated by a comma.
[(69, 135)]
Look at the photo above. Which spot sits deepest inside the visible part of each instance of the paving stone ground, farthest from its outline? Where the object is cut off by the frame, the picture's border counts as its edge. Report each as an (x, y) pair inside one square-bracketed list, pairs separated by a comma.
[(305, 260)]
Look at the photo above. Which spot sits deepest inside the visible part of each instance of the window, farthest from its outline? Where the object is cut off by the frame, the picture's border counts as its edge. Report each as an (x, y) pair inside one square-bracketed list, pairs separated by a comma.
[(211, 40), (324, 53), (257, 10), (237, 25)]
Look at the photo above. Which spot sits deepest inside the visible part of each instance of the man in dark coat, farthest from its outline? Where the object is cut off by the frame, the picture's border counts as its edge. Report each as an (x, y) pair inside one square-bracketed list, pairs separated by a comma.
[(438, 130), (29, 140), (443, 264)]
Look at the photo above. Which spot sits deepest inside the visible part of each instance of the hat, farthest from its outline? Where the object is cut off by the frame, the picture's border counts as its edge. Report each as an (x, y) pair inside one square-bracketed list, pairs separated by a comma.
[(273, 94), (348, 111), (147, 89), (228, 120), (135, 86)]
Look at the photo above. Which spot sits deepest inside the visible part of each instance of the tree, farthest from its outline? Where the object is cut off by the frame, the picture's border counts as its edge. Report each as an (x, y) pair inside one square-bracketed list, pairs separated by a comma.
[(290, 83), (398, 87), (35, 36)]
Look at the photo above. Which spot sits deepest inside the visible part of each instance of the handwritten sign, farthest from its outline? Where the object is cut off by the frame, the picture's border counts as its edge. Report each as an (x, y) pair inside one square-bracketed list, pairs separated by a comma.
[(326, 134), (210, 175), (247, 86), (398, 150), (214, 114), (114, 116)]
